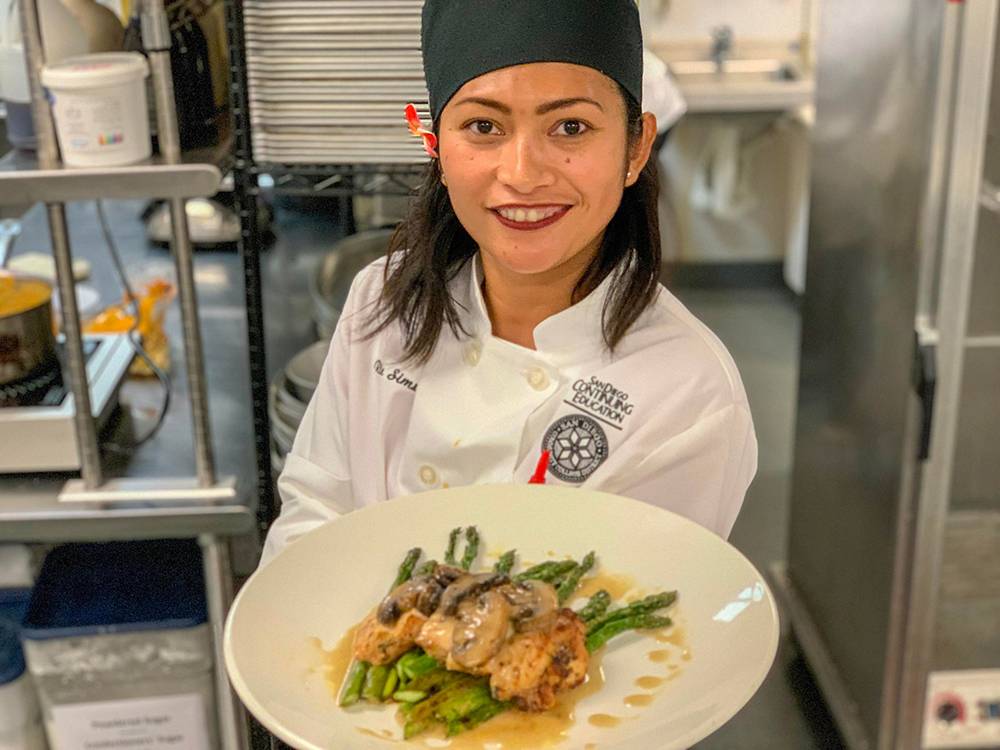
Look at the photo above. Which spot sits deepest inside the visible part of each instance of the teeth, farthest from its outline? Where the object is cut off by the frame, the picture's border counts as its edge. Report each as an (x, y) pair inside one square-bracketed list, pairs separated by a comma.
[(528, 216)]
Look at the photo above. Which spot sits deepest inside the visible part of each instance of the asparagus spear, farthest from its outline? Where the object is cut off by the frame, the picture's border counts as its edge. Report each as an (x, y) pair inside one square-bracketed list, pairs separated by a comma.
[(406, 567), (596, 607), (390, 685), (471, 547), (420, 716), (434, 681), (506, 562), (427, 568), (350, 693), (597, 638), (546, 571), (572, 579), (642, 607), (374, 683), (464, 702), (408, 696), (420, 666), (480, 715), (449, 553)]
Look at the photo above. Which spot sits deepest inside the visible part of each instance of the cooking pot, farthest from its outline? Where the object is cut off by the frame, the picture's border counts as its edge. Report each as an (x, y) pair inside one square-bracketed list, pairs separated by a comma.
[(27, 341)]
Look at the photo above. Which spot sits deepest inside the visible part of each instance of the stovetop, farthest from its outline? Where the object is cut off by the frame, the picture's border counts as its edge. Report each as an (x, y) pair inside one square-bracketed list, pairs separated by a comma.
[(48, 387)]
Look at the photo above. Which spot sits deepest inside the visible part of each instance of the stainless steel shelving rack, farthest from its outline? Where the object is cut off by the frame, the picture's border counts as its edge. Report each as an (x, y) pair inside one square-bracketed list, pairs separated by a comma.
[(332, 180), (33, 509)]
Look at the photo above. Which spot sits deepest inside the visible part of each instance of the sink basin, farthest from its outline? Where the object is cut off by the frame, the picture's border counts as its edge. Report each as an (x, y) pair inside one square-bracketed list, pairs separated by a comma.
[(742, 85), (734, 72)]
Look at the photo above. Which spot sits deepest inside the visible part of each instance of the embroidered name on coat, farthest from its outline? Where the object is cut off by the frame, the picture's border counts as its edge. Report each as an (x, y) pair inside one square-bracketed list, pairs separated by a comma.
[(394, 375)]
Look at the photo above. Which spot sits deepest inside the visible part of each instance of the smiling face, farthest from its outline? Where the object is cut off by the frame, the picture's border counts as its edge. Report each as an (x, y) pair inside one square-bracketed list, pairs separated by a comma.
[(536, 158)]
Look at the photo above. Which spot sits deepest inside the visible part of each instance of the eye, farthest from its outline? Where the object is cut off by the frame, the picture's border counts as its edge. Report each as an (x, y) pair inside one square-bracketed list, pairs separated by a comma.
[(483, 127), (571, 128)]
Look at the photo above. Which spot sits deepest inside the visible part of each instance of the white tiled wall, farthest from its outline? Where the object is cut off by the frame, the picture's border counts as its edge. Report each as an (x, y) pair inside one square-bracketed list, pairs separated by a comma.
[(686, 20)]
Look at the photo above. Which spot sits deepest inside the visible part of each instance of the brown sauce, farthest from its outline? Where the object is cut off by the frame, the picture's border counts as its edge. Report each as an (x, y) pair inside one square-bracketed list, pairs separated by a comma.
[(338, 660), (674, 636), (639, 699), (649, 682), (604, 721), (18, 295), (618, 585)]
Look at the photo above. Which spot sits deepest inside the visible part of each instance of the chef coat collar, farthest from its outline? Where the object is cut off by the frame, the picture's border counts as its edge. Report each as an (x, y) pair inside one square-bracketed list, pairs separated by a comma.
[(571, 335)]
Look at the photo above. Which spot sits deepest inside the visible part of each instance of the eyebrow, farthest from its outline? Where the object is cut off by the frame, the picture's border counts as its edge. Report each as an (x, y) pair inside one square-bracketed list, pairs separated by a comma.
[(541, 110)]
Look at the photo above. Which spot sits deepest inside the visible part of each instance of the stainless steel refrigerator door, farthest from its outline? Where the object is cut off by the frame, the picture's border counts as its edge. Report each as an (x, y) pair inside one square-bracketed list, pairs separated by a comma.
[(856, 432), (960, 368)]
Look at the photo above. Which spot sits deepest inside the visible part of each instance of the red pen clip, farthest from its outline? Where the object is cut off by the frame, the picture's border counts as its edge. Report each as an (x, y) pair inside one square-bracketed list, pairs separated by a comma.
[(543, 466), (417, 128)]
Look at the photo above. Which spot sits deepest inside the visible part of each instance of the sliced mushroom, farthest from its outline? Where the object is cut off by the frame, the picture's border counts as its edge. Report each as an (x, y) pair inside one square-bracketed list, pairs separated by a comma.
[(447, 574), (469, 585), (481, 629), (422, 593), (533, 604)]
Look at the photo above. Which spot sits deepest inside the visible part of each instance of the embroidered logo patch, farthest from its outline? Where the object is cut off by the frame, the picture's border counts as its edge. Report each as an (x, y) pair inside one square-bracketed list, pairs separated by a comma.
[(578, 446)]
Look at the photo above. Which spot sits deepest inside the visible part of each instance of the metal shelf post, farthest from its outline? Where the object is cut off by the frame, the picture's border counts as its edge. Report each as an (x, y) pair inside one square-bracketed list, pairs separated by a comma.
[(48, 154), (250, 243)]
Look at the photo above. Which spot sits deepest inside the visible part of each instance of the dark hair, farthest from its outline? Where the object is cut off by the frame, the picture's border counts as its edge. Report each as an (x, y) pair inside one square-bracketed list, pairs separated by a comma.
[(430, 246)]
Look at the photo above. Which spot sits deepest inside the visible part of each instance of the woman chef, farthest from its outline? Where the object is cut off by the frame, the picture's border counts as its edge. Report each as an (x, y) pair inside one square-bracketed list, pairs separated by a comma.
[(519, 309)]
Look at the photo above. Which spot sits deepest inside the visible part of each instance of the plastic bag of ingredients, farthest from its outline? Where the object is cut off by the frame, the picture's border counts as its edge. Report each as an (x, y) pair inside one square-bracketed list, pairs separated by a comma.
[(152, 303)]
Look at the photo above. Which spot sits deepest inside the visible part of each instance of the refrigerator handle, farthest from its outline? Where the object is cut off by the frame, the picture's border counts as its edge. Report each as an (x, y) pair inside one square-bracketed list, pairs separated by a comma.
[(925, 383)]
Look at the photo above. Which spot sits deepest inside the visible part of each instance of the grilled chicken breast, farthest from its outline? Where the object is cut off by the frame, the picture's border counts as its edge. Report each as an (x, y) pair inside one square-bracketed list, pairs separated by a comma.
[(377, 643), (483, 624)]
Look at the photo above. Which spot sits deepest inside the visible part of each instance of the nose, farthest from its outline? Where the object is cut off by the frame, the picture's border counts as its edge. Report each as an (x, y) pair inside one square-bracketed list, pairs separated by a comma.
[(523, 166)]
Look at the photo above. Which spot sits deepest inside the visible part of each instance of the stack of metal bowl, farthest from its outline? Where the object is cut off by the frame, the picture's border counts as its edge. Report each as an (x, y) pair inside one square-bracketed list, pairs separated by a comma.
[(294, 386), (290, 392), (332, 281)]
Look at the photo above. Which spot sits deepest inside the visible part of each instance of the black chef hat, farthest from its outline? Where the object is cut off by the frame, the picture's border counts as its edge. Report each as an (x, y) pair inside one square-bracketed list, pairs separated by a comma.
[(463, 39)]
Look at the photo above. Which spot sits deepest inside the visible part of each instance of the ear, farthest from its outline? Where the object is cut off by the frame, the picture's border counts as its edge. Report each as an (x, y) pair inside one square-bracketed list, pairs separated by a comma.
[(640, 151)]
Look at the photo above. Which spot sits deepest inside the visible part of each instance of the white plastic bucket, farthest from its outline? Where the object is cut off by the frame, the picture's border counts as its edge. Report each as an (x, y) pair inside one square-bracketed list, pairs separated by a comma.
[(99, 105)]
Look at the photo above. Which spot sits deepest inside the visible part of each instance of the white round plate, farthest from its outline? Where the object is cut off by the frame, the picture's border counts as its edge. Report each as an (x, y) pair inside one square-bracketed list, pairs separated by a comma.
[(324, 583)]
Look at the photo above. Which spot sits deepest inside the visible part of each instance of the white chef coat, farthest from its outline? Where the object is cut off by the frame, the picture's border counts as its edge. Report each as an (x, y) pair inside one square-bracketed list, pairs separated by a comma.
[(664, 419)]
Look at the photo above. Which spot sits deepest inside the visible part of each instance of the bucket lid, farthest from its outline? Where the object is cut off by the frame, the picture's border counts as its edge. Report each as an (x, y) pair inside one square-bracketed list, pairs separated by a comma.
[(118, 587), (88, 71)]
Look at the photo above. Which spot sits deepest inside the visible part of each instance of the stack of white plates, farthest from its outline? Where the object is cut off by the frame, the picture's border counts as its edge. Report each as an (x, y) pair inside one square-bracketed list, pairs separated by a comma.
[(329, 80)]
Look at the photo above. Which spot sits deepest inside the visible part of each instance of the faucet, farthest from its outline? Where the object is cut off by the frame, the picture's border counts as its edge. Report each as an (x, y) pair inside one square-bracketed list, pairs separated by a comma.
[(722, 45)]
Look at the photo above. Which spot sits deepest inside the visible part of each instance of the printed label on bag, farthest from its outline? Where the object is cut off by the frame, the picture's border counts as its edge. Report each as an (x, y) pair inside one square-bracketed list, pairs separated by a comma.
[(172, 721)]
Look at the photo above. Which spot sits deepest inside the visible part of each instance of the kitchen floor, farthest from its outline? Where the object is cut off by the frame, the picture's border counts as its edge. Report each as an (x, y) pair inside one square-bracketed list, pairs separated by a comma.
[(760, 326)]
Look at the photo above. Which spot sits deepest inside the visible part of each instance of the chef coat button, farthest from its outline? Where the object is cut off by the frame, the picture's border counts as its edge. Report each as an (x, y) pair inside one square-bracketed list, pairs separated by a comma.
[(428, 476), (472, 354), (538, 378)]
